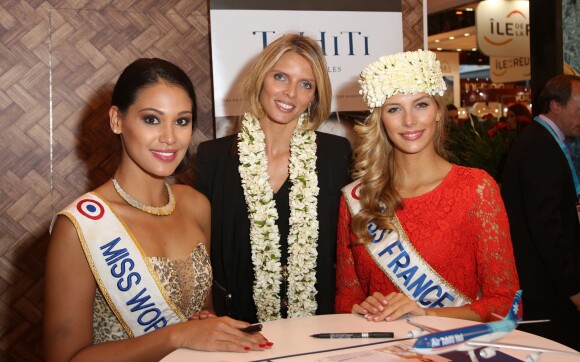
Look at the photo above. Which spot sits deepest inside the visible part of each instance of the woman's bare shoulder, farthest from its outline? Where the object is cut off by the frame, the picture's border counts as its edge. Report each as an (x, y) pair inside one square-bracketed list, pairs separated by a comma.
[(190, 197)]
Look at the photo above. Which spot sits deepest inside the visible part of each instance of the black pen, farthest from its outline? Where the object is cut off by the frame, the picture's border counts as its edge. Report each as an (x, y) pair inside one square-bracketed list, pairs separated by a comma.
[(252, 328), (354, 335)]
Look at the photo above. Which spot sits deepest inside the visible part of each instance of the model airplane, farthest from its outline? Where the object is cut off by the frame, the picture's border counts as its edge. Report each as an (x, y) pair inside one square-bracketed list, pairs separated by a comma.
[(477, 336)]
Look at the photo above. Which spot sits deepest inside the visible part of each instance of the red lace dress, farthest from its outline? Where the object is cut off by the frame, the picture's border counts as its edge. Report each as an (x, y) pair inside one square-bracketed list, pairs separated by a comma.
[(460, 229)]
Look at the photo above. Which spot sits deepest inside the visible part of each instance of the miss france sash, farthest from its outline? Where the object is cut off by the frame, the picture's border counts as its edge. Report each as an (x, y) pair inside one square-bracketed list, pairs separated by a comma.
[(398, 259), (122, 272)]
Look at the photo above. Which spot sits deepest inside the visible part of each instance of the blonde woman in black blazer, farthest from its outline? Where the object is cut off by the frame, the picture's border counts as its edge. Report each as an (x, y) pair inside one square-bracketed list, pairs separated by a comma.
[(288, 92)]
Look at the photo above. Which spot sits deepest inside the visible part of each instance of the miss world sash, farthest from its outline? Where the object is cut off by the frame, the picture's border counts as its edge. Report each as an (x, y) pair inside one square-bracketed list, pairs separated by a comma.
[(120, 267), (403, 265)]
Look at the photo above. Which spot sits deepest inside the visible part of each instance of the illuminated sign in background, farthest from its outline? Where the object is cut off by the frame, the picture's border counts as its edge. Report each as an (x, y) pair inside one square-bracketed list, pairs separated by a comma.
[(503, 33), (509, 69)]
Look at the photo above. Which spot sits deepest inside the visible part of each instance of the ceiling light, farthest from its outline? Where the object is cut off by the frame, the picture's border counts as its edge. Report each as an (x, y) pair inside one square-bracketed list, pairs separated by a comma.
[(458, 12), (437, 40), (458, 50), (468, 9), (466, 34), (451, 37), (439, 49), (473, 49)]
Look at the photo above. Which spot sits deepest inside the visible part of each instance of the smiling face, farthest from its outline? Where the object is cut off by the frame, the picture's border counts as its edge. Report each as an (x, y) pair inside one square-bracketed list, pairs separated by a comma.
[(288, 89), (410, 121), (156, 129)]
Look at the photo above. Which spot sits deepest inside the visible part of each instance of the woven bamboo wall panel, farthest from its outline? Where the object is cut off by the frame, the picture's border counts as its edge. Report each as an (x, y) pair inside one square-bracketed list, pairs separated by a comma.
[(24, 175), (413, 25), (50, 155)]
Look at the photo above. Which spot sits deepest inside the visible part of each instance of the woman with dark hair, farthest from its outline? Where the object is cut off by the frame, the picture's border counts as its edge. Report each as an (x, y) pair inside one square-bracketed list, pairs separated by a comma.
[(274, 189), (418, 234), (518, 117), (128, 275)]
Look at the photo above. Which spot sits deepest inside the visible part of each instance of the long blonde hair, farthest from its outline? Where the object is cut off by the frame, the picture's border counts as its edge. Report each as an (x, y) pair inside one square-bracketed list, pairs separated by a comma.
[(376, 169), (309, 49)]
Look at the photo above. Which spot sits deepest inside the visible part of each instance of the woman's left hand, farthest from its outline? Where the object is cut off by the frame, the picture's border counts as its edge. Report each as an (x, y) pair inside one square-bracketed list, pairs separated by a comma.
[(394, 306), (201, 315)]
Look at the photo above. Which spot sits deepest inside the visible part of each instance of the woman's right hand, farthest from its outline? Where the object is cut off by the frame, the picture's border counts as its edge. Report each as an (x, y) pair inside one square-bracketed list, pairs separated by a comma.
[(372, 305), (378, 307), (219, 334)]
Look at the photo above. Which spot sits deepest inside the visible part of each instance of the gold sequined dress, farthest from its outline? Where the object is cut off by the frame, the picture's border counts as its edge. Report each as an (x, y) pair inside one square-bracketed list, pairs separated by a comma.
[(187, 280)]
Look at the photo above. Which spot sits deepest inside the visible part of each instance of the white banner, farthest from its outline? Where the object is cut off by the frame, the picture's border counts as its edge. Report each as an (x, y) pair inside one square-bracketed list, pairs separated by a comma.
[(509, 69), (350, 40), (503, 28)]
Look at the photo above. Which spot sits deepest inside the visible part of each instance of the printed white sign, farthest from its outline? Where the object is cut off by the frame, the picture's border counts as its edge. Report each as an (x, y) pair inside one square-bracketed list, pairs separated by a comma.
[(509, 69), (350, 40)]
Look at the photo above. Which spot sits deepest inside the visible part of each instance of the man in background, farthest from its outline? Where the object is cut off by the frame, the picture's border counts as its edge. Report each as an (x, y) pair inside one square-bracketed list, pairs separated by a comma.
[(541, 198), (452, 114)]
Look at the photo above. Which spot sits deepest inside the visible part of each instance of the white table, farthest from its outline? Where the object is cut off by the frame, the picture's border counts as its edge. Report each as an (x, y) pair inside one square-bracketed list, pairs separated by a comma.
[(291, 337)]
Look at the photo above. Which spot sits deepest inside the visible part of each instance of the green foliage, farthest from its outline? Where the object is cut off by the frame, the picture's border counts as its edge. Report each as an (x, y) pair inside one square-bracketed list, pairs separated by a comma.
[(480, 144)]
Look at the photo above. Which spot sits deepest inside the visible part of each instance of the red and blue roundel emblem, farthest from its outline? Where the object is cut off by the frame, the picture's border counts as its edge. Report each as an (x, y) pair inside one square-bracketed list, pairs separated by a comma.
[(355, 193), (91, 209)]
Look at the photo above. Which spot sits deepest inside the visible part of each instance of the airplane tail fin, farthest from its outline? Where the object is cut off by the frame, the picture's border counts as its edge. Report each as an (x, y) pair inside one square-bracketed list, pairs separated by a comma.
[(513, 312)]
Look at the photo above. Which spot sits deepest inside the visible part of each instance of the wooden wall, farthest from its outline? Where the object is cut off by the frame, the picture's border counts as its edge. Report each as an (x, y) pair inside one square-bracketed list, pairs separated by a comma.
[(58, 62)]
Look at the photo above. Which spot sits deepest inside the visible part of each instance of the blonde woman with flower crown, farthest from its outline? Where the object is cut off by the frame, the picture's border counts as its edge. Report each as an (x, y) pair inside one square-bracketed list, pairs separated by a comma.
[(274, 189), (128, 275), (417, 234)]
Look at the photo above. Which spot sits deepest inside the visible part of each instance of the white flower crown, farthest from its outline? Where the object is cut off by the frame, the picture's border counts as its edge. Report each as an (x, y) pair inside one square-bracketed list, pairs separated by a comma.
[(407, 73)]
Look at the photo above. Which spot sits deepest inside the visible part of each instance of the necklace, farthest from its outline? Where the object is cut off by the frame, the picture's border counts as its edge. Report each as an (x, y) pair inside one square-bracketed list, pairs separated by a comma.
[(264, 233), (159, 211)]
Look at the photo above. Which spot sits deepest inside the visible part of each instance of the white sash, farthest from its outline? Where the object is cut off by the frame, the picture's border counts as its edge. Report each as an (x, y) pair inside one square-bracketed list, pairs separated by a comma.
[(119, 265), (398, 259)]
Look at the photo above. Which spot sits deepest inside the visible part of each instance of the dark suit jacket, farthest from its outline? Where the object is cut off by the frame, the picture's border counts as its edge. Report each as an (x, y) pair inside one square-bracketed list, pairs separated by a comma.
[(218, 178), (539, 196)]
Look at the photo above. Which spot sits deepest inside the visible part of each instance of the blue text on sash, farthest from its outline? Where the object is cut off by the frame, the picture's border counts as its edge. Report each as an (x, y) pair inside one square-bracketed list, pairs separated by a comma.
[(420, 287), (372, 228), (120, 261)]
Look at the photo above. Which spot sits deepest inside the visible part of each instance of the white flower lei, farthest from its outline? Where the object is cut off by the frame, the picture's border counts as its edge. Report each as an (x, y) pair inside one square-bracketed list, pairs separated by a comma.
[(264, 233)]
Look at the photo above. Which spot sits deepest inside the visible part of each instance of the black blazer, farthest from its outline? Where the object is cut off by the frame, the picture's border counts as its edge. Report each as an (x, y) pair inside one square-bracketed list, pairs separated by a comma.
[(217, 177), (539, 196)]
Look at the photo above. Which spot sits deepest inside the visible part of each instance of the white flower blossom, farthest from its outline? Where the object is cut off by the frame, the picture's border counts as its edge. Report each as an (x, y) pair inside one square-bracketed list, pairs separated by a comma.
[(406, 73)]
